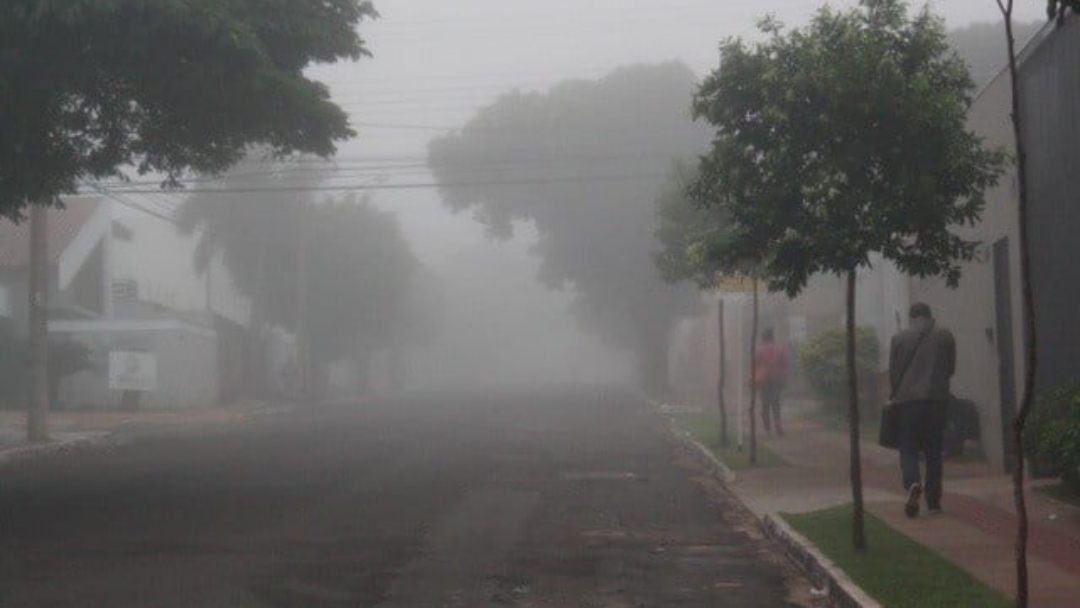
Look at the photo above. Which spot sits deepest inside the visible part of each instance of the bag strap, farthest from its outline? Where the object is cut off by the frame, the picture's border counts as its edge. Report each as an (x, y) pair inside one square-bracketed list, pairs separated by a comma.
[(907, 364)]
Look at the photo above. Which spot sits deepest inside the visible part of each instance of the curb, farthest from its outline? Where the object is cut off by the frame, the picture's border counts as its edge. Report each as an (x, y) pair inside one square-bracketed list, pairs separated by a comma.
[(836, 584), (712, 463), (839, 588), (55, 447), (715, 465), (101, 438)]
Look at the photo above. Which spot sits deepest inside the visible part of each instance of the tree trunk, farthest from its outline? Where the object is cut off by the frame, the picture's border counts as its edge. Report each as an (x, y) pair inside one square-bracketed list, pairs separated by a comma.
[(753, 372), (37, 428), (721, 377), (1031, 354), (858, 515)]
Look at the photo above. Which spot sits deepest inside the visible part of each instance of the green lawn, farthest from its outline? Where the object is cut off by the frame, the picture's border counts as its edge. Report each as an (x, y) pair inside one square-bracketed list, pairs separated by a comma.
[(896, 571), (1059, 491), (706, 429)]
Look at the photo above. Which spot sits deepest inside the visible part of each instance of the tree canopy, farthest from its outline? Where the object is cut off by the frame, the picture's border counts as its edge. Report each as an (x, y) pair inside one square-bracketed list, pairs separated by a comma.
[(691, 236), (844, 139), (254, 229), (583, 163), (360, 276), (90, 87), (359, 268)]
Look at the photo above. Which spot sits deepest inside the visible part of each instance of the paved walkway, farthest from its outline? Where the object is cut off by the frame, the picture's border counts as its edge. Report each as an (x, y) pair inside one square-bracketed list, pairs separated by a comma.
[(977, 530), (67, 429)]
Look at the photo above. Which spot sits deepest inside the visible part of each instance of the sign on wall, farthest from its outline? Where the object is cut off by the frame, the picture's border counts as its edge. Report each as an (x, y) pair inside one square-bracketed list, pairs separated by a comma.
[(132, 371)]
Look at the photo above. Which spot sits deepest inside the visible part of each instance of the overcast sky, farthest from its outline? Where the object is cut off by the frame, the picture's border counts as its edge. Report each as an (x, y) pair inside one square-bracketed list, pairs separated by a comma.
[(435, 62)]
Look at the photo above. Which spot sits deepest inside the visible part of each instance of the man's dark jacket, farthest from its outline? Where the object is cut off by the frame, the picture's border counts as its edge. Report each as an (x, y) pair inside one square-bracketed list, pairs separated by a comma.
[(932, 364)]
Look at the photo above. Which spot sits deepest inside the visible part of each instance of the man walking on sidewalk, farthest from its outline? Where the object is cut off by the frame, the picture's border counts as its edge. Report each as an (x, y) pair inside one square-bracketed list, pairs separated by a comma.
[(922, 360)]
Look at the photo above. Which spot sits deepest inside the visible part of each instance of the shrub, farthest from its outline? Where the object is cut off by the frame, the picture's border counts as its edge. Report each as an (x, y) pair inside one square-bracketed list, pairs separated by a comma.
[(824, 362), (1052, 437)]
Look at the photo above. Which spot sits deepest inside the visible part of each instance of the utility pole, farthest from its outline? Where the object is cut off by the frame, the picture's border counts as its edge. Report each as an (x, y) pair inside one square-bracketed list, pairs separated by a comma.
[(302, 344), (722, 376), (208, 285), (37, 428), (753, 372)]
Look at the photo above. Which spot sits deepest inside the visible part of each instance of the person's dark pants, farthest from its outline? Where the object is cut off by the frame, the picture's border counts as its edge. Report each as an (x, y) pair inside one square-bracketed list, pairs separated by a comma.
[(922, 430), (770, 407)]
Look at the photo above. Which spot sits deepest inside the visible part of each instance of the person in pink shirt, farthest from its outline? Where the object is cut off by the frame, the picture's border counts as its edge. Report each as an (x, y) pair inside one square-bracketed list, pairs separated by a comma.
[(770, 371)]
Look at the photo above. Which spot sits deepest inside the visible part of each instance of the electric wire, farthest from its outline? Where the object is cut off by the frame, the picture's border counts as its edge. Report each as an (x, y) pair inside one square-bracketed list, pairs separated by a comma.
[(402, 186)]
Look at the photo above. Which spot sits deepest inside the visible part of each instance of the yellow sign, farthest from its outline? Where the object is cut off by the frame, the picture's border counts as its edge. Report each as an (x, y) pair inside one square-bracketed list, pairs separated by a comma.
[(734, 283)]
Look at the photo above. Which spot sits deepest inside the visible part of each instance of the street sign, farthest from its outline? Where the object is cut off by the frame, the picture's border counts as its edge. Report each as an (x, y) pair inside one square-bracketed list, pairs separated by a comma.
[(132, 371)]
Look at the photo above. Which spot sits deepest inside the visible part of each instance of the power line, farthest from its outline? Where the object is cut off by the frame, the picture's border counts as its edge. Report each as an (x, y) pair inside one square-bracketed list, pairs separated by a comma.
[(407, 127), (404, 186), (136, 206), (398, 166)]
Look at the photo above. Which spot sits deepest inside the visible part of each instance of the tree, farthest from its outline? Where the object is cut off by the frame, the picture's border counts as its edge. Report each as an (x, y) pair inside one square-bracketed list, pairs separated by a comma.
[(582, 163), (358, 268), (690, 235), (841, 140), (253, 226), (91, 87), (1056, 9), (360, 275)]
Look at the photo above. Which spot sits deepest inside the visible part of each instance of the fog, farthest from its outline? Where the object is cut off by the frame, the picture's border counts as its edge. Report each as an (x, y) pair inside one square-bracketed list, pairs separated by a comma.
[(497, 327), (468, 300)]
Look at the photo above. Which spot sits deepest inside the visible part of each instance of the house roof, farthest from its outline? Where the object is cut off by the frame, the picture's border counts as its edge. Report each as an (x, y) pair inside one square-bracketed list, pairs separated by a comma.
[(64, 225)]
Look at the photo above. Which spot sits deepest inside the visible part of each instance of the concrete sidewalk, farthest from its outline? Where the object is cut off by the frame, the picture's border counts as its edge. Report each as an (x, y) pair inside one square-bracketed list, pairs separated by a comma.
[(69, 430), (978, 527)]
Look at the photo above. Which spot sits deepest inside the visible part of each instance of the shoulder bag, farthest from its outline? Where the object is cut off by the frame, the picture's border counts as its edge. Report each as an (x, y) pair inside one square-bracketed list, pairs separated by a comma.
[(889, 431)]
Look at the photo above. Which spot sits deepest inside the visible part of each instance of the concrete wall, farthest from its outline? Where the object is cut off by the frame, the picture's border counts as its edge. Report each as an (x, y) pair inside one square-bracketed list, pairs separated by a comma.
[(187, 374), (970, 311)]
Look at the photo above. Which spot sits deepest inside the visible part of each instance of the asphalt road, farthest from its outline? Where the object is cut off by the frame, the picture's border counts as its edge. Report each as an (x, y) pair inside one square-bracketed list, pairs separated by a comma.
[(561, 498)]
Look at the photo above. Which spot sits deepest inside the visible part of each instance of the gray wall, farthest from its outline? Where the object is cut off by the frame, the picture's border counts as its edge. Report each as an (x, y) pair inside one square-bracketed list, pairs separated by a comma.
[(1051, 89), (187, 374)]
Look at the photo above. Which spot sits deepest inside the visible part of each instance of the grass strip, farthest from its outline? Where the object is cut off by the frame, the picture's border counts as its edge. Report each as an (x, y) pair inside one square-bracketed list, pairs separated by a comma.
[(706, 430), (1060, 492), (897, 571)]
